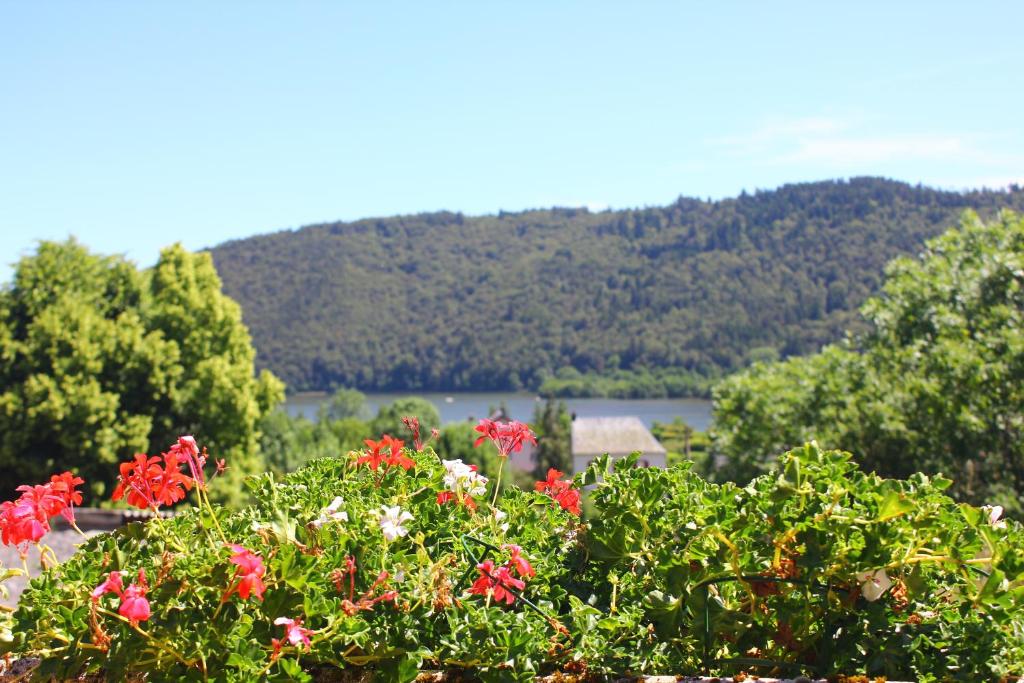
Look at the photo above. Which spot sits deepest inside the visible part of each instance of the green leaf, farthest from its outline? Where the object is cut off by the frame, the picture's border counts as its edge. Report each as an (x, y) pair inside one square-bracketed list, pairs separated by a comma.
[(893, 505)]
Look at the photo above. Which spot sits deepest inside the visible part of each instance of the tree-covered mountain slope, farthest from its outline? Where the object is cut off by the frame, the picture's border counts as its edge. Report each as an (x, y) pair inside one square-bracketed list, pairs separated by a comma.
[(446, 301)]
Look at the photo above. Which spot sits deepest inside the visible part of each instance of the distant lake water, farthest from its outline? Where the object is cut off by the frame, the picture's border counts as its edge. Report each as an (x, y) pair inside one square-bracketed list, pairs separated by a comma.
[(458, 407)]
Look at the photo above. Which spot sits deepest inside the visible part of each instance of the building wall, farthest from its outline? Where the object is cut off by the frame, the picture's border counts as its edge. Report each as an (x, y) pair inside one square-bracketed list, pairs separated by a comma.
[(524, 460), (580, 461)]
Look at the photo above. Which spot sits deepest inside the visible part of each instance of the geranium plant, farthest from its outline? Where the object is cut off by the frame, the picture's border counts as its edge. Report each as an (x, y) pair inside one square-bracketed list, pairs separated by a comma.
[(394, 561)]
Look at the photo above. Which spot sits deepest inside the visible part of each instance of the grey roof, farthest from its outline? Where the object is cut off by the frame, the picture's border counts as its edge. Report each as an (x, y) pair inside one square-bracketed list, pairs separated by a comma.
[(614, 435)]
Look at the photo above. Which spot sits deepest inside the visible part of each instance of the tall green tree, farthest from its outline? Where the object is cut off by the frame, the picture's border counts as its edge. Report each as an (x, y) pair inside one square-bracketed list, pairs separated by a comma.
[(936, 383), (99, 360), (553, 427), (345, 403)]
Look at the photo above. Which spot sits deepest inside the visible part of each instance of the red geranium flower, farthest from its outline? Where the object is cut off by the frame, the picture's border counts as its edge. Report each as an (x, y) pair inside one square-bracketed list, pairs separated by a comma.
[(134, 605), (387, 451), (496, 581), (65, 487), (561, 491), (40, 501), (450, 497), (509, 437), (136, 480), (171, 485), (19, 526), (148, 485)]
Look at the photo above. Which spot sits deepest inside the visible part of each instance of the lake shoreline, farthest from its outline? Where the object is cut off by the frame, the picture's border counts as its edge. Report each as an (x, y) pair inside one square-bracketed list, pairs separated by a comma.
[(456, 407), (320, 393)]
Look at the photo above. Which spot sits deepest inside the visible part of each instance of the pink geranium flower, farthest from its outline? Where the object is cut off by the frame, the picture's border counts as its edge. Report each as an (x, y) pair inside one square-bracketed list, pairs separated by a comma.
[(27, 519), (134, 605), (249, 572), (113, 584), (294, 631), (517, 561)]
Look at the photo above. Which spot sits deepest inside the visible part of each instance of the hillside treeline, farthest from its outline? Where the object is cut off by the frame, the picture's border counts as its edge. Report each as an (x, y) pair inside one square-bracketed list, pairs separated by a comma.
[(670, 294)]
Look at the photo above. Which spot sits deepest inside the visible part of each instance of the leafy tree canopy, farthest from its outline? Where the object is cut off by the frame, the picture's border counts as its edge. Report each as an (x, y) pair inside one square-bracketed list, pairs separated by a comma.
[(99, 360), (935, 383), (389, 417)]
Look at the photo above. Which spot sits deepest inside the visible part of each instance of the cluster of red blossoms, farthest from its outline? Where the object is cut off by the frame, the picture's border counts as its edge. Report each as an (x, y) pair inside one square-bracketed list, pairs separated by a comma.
[(386, 452), (509, 437), (27, 519), (561, 491), (149, 482), (497, 581), (134, 605)]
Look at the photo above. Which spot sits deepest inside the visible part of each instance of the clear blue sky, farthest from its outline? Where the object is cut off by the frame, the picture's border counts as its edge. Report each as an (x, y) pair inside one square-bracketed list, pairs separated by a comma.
[(133, 125)]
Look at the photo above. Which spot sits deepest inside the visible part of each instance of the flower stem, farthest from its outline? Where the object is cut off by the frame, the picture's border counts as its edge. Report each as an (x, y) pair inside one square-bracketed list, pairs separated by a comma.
[(204, 502), (148, 636), (497, 482)]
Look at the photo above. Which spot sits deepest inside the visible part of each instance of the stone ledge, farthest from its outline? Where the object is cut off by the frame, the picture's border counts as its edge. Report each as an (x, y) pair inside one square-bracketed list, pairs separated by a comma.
[(103, 519)]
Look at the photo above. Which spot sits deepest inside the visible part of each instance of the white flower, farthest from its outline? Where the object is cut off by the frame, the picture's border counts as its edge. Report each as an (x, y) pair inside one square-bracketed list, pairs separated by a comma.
[(460, 477), (873, 584), (391, 520), (994, 512), (498, 517), (331, 513)]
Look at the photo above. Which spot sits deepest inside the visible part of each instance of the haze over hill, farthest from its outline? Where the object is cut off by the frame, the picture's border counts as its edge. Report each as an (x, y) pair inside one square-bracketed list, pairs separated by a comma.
[(693, 289)]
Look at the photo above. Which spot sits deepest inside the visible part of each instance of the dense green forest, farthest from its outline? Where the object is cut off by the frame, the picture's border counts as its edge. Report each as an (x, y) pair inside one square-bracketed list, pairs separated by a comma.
[(636, 302)]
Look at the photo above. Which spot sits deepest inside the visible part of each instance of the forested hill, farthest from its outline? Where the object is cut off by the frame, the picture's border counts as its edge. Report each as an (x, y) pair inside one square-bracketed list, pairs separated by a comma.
[(446, 301)]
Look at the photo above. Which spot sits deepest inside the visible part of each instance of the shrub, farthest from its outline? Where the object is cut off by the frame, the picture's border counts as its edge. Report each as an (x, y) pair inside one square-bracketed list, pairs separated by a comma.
[(392, 560)]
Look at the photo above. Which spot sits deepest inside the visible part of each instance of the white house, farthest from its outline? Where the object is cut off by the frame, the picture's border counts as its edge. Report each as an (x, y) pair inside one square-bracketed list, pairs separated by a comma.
[(616, 436)]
